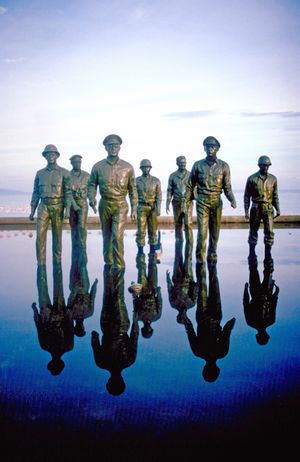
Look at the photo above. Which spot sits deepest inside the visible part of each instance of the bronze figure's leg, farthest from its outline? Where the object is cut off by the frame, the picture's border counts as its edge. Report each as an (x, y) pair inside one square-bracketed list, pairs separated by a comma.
[(188, 225), (141, 225), (152, 227), (106, 225), (202, 222), (118, 227), (43, 219), (56, 222), (215, 216), (177, 221)]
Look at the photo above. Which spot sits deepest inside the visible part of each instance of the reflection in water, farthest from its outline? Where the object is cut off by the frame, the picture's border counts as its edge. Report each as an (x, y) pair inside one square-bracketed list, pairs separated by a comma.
[(260, 311), (211, 341), (182, 289), (54, 321), (80, 301), (147, 299), (117, 349)]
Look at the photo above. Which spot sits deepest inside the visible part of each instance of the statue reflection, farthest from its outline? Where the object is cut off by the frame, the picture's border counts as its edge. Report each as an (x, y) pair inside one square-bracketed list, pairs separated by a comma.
[(147, 299), (80, 301), (211, 342), (117, 349), (53, 321), (182, 288), (260, 311)]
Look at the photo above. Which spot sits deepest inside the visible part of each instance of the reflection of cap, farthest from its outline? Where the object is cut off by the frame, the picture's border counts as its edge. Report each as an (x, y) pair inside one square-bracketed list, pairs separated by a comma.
[(211, 140), (112, 139), (264, 160), (145, 163), (75, 157), (50, 148)]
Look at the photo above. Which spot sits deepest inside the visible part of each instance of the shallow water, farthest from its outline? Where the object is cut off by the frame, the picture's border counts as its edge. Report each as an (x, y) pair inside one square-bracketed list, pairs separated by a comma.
[(166, 403)]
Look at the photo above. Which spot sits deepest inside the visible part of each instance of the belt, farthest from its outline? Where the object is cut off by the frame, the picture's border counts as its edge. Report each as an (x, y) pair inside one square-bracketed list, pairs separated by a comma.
[(51, 201)]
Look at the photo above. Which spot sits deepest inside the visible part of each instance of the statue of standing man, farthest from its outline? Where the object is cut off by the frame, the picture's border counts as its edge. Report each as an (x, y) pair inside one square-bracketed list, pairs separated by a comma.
[(211, 176), (51, 194), (149, 203), (79, 209), (115, 179), (176, 191)]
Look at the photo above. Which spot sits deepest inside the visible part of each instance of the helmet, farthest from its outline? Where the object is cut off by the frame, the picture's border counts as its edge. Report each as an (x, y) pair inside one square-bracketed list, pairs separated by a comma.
[(50, 148), (145, 163), (211, 140), (264, 160)]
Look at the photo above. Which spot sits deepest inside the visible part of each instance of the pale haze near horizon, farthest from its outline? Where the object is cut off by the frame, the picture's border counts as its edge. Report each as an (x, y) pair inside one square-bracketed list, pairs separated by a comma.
[(161, 74)]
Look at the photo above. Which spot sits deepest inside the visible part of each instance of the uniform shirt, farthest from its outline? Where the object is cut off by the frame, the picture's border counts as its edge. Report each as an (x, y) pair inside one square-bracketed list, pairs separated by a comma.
[(79, 185), (115, 180), (51, 183), (177, 186), (149, 191), (210, 178), (262, 189)]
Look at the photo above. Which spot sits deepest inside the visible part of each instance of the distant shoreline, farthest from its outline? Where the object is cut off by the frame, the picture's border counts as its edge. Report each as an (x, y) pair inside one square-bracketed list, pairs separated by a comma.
[(164, 222)]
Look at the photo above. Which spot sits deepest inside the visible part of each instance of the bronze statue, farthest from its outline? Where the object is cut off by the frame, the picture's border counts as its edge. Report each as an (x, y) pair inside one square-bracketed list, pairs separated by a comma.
[(177, 184), (54, 321), (211, 342), (182, 288), (261, 188), (51, 194), (211, 176), (117, 349), (79, 209), (260, 311), (115, 179), (149, 204), (147, 299)]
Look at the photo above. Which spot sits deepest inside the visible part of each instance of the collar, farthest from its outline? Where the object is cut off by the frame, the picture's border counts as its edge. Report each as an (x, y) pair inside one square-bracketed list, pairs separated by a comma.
[(112, 162), (55, 167), (211, 162)]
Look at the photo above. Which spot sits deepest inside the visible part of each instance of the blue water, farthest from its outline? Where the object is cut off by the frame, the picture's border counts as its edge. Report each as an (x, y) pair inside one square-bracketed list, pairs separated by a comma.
[(167, 403), (19, 204)]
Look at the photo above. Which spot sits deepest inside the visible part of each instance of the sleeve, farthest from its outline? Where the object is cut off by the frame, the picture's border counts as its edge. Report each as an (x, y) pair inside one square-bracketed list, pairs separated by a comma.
[(169, 191), (68, 196), (247, 195), (227, 184), (158, 197), (35, 198), (275, 201), (132, 190), (189, 192), (92, 187)]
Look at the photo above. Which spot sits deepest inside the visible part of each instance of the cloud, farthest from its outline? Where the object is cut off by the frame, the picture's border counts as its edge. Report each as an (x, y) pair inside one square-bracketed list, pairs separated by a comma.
[(190, 114), (3, 10), (12, 60), (287, 114)]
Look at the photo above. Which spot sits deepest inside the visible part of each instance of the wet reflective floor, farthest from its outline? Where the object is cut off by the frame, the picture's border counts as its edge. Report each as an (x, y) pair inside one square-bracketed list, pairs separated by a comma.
[(160, 359)]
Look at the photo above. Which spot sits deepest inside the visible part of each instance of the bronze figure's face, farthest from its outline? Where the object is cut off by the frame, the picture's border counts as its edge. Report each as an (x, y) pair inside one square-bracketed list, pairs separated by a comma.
[(146, 170), (113, 149), (211, 151), (263, 168), (51, 157), (181, 162), (76, 163)]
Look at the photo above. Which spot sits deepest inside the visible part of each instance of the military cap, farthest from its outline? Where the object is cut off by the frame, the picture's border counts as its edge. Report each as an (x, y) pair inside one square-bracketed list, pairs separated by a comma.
[(264, 160), (76, 156), (112, 139), (50, 148), (211, 140), (180, 159), (145, 163)]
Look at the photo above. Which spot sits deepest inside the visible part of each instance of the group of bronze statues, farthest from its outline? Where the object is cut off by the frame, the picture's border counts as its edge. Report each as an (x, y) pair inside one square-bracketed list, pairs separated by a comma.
[(59, 193)]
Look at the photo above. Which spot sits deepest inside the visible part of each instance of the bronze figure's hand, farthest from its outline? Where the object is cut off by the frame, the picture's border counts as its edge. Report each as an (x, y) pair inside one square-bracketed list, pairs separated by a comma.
[(233, 204), (277, 214), (31, 217), (247, 215), (133, 216)]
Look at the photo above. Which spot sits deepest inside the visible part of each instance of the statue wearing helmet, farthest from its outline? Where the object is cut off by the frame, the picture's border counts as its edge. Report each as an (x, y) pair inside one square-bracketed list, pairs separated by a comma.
[(51, 194), (211, 176), (149, 204), (261, 189)]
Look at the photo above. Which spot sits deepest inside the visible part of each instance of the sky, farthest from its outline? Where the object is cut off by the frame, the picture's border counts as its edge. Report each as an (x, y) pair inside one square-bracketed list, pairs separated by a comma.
[(162, 74)]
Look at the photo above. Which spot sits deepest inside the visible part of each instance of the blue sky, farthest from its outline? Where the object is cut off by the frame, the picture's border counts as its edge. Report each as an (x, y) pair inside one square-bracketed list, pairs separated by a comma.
[(162, 74)]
